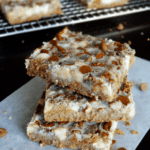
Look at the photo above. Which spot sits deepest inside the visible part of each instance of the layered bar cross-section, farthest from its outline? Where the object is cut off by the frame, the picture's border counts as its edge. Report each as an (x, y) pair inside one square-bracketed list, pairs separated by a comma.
[(74, 135)]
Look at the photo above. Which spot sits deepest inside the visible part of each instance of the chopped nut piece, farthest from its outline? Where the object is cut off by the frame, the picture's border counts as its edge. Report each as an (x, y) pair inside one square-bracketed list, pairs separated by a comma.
[(144, 86), (85, 69), (119, 131), (3, 132), (128, 123), (120, 27), (134, 132)]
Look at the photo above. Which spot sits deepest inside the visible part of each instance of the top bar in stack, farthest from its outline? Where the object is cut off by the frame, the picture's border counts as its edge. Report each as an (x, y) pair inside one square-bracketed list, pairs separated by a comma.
[(103, 3), (87, 65), (19, 11)]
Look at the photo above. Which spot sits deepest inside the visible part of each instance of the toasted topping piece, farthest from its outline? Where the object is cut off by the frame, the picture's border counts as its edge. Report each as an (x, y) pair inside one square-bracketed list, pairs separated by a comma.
[(134, 132), (85, 69), (107, 75), (144, 86), (119, 131), (104, 134), (113, 142), (107, 126), (48, 124), (100, 55), (79, 54), (63, 122), (114, 62), (121, 148), (3, 132), (59, 37), (72, 97), (80, 124), (123, 99), (120, 27), (76, 131), (37, 123), (53, 58), (128, 123), (104, 47), (44, 51), (61, 49), (89, 59), (54, 42)]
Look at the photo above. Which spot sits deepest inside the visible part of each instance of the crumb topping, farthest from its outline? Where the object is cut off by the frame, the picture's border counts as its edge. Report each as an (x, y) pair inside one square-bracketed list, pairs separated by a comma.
[(3, 132), (134, 132)]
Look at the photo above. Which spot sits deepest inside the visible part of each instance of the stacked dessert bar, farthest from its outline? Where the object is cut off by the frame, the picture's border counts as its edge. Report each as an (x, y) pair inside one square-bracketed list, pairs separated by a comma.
[(87, 90), (19, 11)]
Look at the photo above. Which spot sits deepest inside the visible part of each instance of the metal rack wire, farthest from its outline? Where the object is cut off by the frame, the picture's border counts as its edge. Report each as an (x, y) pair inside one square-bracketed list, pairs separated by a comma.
[(73, 13)]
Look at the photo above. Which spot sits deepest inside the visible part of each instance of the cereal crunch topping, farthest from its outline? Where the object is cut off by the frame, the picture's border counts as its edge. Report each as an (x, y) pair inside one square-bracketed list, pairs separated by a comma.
[(104, 47), (100, 55), (53, 58)]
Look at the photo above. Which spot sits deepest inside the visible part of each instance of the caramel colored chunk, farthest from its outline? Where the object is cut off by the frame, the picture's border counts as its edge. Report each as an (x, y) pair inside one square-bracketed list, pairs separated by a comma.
[(39, 3), (114, 62), (113, 142), (85, 69), (144, 86), (48, 124), (134, 132), (59, 37), (124, 100), (44, 51), (37, 123), (3, 132), (104, 47), (107, 75), (72, 97), (121, 148), (107, 126), (100, 55), (76, 131), (104, 134), (119, 131), (120, 27), (89, 59), (79, 54), (61, 49), (63, 122), (80, 124), (128, 123), (54, 42), (53, 58)]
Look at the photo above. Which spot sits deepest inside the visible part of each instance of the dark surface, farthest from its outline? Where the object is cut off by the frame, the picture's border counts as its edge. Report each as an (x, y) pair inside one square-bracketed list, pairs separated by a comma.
[(13, 51)]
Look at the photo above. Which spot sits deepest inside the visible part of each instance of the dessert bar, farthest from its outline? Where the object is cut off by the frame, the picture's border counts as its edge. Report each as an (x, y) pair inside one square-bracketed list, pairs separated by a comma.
[(61, 104), (24, 11), (103, 3), (81, 135), (87, 65)]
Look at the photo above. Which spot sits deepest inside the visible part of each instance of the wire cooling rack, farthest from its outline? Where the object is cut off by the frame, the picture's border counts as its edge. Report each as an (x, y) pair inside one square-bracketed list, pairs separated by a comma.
[(73, 13)]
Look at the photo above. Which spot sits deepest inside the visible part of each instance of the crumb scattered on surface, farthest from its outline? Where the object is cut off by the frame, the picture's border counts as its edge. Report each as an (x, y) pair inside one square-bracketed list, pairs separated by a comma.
[(119, 131), (142, 33), (121, 148), (23, 41), (110, 30), (144, 86), (113, 142), (134, 132), (120, 27), (10, 117), (4, 112), (148, 39), (3, 132), (129, 42), (128, 123)]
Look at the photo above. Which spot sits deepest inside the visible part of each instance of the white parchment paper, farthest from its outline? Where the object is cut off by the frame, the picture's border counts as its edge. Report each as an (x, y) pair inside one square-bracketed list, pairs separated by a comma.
[(21, 106)]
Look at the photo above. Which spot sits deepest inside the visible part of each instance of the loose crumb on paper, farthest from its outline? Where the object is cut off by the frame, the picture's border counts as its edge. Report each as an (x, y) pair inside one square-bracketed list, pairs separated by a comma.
[(121, 148), (119, 131), (134, 132), (10, 117), (3, 132), (128, 123), (4, 112), (144, 86), (113, 142)]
